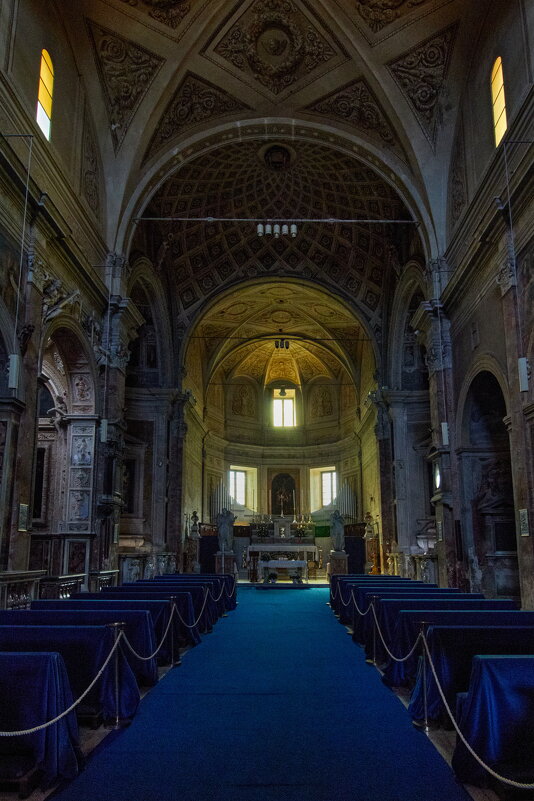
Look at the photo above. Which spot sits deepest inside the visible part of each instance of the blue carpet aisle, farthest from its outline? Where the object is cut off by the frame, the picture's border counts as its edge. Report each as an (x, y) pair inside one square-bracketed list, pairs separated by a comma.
[(276, 705)]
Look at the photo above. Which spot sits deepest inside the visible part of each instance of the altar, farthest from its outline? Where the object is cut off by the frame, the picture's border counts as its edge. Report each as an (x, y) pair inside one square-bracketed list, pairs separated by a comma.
[(294, 567), (289, 555)]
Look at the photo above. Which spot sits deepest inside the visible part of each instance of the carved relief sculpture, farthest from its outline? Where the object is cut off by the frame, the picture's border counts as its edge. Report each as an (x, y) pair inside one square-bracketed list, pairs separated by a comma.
[(168, 12), (379, 13), (275, 44), (126, 71), (195, 101), (82, 388), (356, 104), (421, 74), (81, 451)]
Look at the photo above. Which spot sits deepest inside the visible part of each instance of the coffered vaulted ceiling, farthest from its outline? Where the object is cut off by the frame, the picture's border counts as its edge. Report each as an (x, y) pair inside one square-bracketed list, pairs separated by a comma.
[(186, 95), (379, 72)]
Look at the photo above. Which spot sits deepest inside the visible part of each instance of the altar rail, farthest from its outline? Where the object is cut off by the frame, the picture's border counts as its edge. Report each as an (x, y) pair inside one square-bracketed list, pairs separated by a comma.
[(18, 588), (61, 587)]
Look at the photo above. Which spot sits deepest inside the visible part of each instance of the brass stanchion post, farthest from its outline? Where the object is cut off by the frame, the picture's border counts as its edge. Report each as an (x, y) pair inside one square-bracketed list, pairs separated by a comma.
[(424, 725), (174, 661), (117, 629), (373, 660)]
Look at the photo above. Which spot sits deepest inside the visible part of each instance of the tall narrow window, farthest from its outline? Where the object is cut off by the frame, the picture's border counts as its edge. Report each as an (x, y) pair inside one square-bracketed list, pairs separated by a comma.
[(284, 408), (499, 101), (328, 487), (46, 90), (238, 486)]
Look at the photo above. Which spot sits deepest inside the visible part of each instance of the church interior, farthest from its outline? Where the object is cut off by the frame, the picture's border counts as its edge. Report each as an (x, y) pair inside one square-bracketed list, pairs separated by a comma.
[(266, 323)]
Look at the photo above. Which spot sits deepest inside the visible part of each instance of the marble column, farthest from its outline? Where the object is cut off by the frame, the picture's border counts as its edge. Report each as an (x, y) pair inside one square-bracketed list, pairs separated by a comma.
[(520, 412), (434, 327)]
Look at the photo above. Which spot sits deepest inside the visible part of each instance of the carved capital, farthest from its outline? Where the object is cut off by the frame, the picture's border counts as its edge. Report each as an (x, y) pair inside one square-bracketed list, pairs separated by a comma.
[(437, 273)]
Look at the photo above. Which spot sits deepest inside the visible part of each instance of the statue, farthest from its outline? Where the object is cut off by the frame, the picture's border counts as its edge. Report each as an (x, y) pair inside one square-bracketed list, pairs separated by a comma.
[(337, 531), (225, 525), (194, 531)]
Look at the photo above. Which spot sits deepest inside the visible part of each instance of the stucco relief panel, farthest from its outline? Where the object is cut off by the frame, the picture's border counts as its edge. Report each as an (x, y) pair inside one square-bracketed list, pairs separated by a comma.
[(379, 13), (421, 75), (168, 12), (195, 100), (276, 44), (126, 71), (356, 105)]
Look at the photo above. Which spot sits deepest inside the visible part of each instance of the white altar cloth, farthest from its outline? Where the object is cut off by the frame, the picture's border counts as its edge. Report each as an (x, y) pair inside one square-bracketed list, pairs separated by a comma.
[(281, 564), (293, 548)]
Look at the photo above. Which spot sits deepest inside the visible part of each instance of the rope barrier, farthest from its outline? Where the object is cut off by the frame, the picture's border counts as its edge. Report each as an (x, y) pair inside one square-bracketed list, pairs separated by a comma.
[(158, 649), (421, 637), (192, 625), (395, 658), (74, 704), (216, 600), (121, 636), (510, 782)]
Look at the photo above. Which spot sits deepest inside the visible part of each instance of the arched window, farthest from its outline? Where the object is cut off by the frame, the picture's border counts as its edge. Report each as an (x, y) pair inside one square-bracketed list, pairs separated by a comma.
[(46, 90), (499, 101)]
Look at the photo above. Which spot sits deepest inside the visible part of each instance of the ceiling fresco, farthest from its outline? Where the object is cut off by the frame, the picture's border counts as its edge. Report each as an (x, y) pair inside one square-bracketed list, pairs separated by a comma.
[(238, 336)]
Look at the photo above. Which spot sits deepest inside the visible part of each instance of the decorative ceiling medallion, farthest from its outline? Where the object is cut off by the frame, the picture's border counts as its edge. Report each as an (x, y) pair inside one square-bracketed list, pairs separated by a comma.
[(421, 74), (194, 101), (126, 71), (276, 43), (277, 157), (169, 12), (379, 13), (356, 105)]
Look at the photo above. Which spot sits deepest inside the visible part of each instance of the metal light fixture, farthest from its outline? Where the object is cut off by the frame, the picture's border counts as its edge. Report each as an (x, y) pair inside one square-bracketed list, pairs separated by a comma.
[(276, 229), (282, 392)]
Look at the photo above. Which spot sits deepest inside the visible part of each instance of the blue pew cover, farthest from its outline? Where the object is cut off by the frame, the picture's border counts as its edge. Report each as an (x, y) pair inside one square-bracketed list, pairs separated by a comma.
[(362, 627), (158, 605), (196, 600), (34, 688), (138, 628), (401, 674), (84, 650), (388, 610), (228, 580), (452, 649), (340, 590), (362, 596), (496, 716)]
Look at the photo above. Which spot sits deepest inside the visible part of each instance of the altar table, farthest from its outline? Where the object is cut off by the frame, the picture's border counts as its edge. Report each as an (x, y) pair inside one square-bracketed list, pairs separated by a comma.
[(283, 564)]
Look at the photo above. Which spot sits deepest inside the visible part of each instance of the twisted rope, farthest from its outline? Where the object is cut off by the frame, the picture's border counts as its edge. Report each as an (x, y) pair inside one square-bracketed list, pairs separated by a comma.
[(74, 704), (158, 649), (192, 625), (510, 782)]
